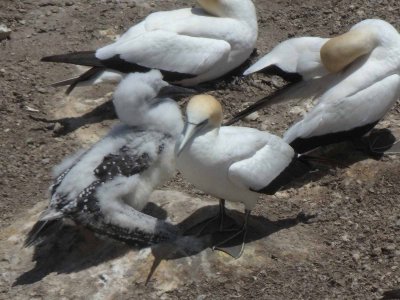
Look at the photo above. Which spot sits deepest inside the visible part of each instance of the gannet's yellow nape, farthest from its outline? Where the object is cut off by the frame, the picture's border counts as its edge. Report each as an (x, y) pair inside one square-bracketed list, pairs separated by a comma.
[(339, 52), (210, 6), (204, 107), (218, 8)]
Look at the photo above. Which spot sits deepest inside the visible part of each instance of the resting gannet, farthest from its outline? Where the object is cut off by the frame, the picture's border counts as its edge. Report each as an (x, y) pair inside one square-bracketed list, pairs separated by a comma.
[(189, 45), (354, 77)]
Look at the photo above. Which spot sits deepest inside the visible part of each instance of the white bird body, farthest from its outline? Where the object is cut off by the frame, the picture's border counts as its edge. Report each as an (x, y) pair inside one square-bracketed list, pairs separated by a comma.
[(339, 115), (106, 187), (233, 163), (190, 45), (360, 86)]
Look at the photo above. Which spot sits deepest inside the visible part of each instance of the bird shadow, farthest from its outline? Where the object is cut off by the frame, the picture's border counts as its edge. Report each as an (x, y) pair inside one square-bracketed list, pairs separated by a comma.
[(64, 126), (75, 248), (259, 228), (343, 155)]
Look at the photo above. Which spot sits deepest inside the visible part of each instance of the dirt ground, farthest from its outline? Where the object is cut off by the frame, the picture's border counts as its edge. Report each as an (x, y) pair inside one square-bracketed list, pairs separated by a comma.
[(357, 207)]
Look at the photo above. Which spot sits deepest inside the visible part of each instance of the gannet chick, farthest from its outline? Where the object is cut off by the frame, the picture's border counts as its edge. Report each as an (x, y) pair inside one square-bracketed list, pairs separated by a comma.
[(354, 77), (106, 187), (233, 163), (189, 46)]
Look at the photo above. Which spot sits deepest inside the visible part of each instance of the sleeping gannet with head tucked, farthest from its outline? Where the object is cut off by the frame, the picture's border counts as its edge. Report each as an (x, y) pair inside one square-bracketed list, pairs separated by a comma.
[(105, 187), (189, 46), (355, 78), (233, 163)]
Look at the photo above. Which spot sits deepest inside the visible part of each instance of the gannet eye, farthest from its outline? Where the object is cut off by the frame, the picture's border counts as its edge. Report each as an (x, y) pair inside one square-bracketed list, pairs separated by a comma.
[(201, 124)]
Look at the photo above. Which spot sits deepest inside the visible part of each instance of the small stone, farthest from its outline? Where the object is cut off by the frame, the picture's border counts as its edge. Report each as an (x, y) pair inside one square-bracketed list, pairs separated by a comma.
[(345, 237), (356, 256), (69, 3), (45, 161), (4, 32), (58, 127), (29, 141), (376, 251), (45, 3), (41, 90), (389, 249), (252, 117)]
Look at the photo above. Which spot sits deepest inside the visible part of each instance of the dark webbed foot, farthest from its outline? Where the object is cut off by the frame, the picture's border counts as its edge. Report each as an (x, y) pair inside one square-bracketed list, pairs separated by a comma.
[(380, 142), (234, 244)]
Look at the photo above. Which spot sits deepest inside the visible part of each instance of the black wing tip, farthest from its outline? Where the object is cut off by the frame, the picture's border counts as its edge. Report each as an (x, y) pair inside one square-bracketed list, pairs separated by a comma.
[(70, 57), (392, 294), (232, 121), (274, 69), (48, 58)]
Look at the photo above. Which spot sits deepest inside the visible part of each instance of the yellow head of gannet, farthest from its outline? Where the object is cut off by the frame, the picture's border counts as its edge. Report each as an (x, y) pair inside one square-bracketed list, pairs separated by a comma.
[(340, 51), (226, 8), (203, 112)]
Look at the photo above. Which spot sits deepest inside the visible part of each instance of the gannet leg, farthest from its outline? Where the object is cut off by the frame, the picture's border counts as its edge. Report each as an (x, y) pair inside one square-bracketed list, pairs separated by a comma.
[(229, 246), (222, 221)]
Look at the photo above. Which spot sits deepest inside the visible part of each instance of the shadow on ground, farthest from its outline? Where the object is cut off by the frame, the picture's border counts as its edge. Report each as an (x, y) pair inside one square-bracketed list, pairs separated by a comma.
[(76, 249)]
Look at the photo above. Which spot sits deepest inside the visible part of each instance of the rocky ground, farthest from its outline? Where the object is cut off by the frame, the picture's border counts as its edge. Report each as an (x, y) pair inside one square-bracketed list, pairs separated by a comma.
[(349, 250)]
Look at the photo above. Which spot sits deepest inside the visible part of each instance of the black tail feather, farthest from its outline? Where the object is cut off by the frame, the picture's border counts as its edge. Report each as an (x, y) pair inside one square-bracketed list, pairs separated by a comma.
[(41, 230), (84, 77), (393, 294), (83, 58)]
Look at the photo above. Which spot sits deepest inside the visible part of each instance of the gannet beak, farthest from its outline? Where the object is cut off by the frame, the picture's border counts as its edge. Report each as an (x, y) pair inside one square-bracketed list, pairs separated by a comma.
[(188, 132), (171, 91)]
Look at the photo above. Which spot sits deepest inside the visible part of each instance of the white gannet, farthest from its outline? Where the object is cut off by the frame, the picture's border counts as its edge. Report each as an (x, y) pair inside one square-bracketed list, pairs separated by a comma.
[(233, 163), (355, 78), (189, 46), (104, 188)]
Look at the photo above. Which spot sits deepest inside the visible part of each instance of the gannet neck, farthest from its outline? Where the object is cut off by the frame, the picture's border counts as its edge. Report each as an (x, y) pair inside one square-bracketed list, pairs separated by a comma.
[(165, 116), (133, 96), (243, 10)]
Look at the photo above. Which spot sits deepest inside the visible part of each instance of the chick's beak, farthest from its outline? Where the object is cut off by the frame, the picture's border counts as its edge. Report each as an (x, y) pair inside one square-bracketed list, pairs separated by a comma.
[(176, 91), (188, 132)]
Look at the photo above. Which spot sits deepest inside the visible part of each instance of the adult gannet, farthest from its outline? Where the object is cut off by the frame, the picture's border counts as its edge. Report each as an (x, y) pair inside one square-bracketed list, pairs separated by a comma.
[(189, 46), (105, 187), (233, 163), (354, 77)]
